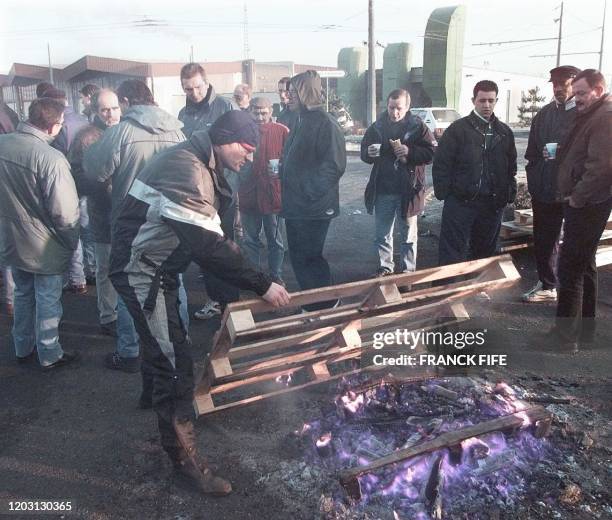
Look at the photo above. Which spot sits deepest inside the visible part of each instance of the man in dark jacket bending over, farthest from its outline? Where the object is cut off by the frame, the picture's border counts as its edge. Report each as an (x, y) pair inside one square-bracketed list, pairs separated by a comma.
[(170, 218), (474, 173), (313, 160), (399, 145)]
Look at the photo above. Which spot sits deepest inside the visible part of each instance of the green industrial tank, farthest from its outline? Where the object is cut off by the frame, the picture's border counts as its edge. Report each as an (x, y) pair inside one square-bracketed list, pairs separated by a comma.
[(443, 55)]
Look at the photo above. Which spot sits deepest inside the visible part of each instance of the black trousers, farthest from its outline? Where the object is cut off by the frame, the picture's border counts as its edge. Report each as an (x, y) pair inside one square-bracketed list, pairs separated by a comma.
[(167, 365), (547, 223), (469, 230), (577, 303), (305, 241)]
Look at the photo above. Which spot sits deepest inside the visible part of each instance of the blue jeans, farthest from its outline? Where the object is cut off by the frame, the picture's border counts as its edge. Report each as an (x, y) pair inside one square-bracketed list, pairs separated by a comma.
[(107, 296), (87, 244), (387, 209), (253, 246), (76, 273), (38, 311), (9, 285), (127, 337)]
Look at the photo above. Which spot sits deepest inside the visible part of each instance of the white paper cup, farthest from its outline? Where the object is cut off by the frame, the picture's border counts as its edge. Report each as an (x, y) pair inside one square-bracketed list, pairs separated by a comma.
[(551, 148), (274, 165), (376, 146)]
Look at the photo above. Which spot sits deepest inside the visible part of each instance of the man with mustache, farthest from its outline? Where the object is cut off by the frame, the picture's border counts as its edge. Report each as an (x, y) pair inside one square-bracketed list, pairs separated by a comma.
[(585, 186)]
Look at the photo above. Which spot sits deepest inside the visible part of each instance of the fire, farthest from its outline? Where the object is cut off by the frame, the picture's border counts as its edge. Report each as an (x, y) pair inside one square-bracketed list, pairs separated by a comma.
[(352, 402), (284, 379)]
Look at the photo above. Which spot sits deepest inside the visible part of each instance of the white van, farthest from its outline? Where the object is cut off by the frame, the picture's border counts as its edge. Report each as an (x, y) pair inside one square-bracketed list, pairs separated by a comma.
[(437, 119)]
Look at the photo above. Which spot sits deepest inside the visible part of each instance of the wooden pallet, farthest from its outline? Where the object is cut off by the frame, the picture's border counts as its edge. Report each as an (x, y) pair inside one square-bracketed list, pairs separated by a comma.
[(536, 417), (518, 234), (256, 346)]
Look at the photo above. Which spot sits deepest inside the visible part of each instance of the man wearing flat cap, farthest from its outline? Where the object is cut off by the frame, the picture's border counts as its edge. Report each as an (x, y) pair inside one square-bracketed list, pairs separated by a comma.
[(548, 128), (169, 218)]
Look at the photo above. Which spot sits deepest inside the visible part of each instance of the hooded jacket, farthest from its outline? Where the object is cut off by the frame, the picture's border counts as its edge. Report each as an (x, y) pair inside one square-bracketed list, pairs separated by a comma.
[(171, 217), (314, 157), (409, 177), (550, 125), (39, 207), (125, 148), (585, 161), (200, 116)]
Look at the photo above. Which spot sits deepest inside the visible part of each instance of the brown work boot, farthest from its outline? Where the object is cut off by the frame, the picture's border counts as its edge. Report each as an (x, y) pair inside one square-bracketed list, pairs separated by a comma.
[(192, 470)]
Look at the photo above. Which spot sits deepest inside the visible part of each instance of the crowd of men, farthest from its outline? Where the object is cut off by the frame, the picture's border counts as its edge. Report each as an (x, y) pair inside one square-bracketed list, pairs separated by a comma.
[(129, 195)]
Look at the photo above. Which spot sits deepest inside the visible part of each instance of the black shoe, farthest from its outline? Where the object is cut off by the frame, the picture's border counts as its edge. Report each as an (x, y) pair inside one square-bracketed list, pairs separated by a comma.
[(27, 360), (556, 341), (381, 271), (115, 362), (109, 329), (66, 359)]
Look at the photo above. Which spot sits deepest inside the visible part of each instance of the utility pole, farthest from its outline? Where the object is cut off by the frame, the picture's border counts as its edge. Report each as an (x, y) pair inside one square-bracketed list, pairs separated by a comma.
[(191, 55), (603, 25), (560, 36), (245, 33), (50, 67), (371, 65)]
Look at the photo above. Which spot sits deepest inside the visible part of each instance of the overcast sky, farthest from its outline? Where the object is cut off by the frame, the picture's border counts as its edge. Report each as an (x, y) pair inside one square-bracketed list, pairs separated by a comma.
[(310, 32)]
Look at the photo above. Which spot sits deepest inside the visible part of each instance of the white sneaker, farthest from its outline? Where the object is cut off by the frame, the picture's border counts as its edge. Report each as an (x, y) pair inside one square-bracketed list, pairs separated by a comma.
[(539, 294), (210, 310)]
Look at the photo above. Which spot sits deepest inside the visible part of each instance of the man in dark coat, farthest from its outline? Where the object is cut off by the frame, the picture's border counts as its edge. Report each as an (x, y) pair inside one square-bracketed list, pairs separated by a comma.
[(474, 173), (170, 218), (399, 145), (549, 126), (203, 106), (313, 160), (585, 184)]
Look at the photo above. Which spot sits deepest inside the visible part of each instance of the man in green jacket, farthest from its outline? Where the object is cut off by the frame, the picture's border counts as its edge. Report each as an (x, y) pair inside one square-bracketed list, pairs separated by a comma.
[(39, 230)]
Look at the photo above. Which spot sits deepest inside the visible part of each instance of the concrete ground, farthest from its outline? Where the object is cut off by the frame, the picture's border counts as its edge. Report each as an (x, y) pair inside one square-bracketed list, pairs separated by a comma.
[(77, 434)]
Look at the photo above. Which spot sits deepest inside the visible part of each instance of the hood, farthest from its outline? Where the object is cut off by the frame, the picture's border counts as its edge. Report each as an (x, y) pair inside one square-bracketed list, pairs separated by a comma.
[(200, 141), (27, 128), (152, 118), (309, 91)]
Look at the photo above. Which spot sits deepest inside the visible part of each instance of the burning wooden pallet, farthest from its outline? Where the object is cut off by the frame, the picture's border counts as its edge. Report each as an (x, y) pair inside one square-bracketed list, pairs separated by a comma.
[(535, 417), (254, 346)]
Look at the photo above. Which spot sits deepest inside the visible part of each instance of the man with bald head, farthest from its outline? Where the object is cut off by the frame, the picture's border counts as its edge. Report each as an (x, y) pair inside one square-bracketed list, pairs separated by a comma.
[(114, 318)]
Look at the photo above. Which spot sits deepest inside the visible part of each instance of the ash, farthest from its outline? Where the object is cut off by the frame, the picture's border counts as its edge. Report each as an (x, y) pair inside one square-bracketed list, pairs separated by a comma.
[(495, 476)]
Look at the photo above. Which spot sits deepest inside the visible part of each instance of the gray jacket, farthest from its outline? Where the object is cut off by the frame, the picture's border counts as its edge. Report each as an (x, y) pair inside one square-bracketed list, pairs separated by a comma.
[(200, 116), (39, 206), (125, 148)]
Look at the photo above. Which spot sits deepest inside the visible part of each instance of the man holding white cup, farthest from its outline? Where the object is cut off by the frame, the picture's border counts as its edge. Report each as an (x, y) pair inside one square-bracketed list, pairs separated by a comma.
[(398, 145), (548, 128)]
